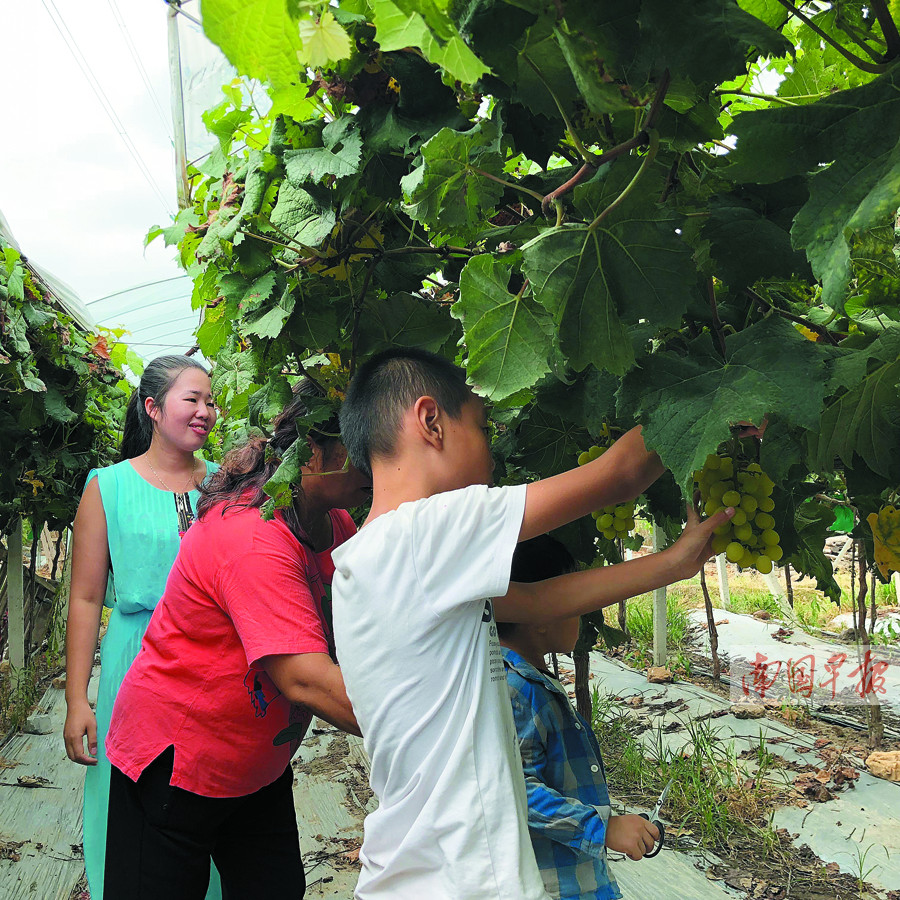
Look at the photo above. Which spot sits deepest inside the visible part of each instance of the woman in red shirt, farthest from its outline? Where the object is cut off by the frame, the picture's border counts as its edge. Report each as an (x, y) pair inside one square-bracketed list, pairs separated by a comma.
[(237, 658)]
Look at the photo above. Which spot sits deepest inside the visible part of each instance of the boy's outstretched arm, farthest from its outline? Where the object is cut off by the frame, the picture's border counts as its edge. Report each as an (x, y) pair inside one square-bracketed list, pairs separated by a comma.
[(583, 592), (624, 471)]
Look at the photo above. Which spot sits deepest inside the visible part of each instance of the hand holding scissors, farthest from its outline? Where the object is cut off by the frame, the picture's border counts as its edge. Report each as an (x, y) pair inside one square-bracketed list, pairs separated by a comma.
[(653, 819)]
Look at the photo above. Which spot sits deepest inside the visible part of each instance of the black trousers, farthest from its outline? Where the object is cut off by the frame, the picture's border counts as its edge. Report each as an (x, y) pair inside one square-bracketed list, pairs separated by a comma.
[(160, 840)]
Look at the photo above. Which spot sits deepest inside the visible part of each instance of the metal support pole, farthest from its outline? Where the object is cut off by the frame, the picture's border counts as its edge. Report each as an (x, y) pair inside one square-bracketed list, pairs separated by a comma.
[(722, 572), (15, 586), (181, 175), (843, 552), (659, 606)]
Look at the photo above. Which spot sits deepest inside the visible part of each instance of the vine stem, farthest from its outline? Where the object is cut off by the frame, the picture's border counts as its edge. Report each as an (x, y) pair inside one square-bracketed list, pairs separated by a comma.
[(589, 168), (645, 164), (888, 27), (509, 184), (717, 322), (592, 163), (770, 97), (864, 64), (799, 320)]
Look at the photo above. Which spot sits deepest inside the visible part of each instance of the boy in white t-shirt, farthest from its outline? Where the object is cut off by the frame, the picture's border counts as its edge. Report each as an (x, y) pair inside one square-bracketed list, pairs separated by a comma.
[(415, 594)]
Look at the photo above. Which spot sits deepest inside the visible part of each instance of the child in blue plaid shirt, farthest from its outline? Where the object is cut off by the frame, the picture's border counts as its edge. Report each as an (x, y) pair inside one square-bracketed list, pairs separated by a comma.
[(569, 816)]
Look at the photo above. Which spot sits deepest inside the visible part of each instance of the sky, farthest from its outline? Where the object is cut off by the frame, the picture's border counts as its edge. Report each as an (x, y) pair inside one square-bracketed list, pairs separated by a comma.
[(76, 200)]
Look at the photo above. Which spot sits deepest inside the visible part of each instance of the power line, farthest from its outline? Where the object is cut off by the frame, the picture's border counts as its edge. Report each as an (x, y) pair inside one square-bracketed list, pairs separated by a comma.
[(167, 125), (97, 88), (137, 288)]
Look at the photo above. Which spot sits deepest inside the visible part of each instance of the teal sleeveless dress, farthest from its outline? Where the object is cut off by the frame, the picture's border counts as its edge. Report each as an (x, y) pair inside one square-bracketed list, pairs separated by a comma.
[(142, 525)]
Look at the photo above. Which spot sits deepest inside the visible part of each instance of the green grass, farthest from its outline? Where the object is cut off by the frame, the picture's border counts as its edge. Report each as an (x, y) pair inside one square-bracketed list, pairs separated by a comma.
[(715, 794), (748, 594), (19, 693), (639, 618)]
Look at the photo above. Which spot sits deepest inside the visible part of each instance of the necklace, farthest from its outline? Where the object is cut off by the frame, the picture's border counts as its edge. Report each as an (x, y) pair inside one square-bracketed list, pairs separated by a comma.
[(190, 477)]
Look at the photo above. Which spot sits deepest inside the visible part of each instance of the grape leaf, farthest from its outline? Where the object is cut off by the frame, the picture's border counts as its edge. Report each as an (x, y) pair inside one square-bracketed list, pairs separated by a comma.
[(233, 374), (397, 28), (449, 191), (590, 400), (865, 419), (269, 322), (769, 11), (269, 401), (744, 243), (707, 41), (213, 331), (323, 40), (340, 156), (56, 407), (546, 444), (686, 403), (403, 320), (288, 473), (507, 336), (587, 68), (811, 523), (257, 293), (857, 132), (596, 280), (315, 324), (258, 36), (302, 218)]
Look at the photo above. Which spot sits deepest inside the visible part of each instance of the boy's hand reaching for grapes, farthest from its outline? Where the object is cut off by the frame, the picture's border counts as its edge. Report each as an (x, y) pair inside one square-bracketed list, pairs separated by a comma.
[(632, 835), (694, 547)]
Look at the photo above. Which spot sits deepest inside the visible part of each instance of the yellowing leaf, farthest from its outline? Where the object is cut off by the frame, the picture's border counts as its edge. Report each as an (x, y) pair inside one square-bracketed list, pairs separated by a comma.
[(885, 526), (323, 41)]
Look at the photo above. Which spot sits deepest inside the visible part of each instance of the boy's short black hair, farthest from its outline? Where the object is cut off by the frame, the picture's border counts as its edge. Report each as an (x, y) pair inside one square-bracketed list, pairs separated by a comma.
[(384, 388), (536, 560)]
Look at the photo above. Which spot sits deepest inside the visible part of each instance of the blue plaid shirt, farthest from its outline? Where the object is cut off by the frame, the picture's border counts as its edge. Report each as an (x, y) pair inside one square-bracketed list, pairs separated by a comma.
[(568, 803)]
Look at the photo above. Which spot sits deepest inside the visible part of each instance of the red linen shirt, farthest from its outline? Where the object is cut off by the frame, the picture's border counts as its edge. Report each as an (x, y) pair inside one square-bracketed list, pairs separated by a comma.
[(241, 589)]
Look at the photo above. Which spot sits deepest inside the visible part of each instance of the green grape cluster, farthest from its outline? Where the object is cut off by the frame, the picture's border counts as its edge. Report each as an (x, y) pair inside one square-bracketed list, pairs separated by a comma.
[(615, 521), (750, 538)]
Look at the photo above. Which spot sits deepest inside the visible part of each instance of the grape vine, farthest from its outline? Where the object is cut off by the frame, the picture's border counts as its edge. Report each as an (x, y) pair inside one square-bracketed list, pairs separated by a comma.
[(61, 402), (604, 224)]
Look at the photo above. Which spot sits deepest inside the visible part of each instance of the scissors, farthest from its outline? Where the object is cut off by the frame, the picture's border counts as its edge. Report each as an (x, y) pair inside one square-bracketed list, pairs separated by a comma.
[(653, 819)]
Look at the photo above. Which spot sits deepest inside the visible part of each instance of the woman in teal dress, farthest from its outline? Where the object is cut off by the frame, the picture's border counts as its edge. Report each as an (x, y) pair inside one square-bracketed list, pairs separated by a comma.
[(125, 539)]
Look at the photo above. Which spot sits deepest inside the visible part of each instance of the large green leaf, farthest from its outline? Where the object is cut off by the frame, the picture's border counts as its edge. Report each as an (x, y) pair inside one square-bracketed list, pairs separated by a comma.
[(269, 401), (268, 321), (865, 419), (747, 245), (546, 444), (507, 336), (340, 156), (688, 403), (403, 320), (300, 217), (449, 190), (707, 41), (400, 25), (858, 133), (259, 38), (233, 374), (596, 279), (588, 68)]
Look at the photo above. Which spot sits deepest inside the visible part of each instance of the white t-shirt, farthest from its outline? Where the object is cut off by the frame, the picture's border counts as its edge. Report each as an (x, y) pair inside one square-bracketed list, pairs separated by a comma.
[(417, 644)]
